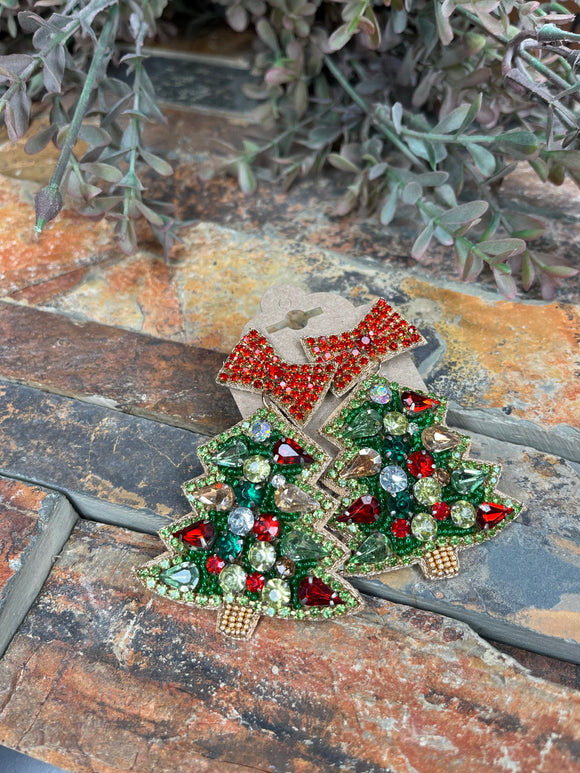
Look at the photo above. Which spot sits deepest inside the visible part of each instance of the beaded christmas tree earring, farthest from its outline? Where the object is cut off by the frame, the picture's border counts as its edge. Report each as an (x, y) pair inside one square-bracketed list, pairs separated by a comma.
[(256, 542), (409, 494)]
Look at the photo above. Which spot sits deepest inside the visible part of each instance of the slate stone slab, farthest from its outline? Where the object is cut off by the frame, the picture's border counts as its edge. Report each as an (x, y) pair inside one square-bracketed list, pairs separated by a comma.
[(103, 677), (508, 367), (34, 525), (138, 374), (523, 587), (113, 467)]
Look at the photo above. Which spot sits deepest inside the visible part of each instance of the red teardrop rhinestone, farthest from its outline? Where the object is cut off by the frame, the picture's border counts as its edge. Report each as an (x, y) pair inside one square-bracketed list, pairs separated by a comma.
[(199, 535), (440, 511), (255, 582), (489, 514), (420, 464), (266, 527), (401, 528), (288, 451), (416, 403), (365, 509), (312, 592), (215, 564)]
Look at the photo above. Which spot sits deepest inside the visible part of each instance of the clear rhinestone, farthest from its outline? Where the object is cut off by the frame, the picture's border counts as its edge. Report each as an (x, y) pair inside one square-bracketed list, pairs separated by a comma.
[(393, 479), (278, 481), (240, 521)]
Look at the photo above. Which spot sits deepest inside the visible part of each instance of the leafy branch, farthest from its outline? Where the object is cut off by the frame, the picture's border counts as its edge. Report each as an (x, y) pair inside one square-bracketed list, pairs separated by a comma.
[(421, 104), (102, 160)]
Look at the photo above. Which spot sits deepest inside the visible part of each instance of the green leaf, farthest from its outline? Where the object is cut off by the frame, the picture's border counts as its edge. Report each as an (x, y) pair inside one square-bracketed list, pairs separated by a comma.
[(528, 271), (40, 140), (340, 37), (560, 270), (452, 121), (397, 116), (111, 174), (342, 163), (246, 179), (94, 135), (518, 143), (502, 247), (444, 29), (432, 179), (464, 213), (377, 170), (267, 34), (505, 284), (474, 109), (151, 216), (483, 158), (570, 159), (160, 165), (422, 241), (412, 192), (390, 206)]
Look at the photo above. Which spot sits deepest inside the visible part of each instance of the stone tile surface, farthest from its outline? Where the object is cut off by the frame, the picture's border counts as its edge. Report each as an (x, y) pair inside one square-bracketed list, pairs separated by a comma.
[(521, 587), (20, 509), (34, 524), (511, 366), (103, 678), (112, 466), (69, 242), (164, 380)]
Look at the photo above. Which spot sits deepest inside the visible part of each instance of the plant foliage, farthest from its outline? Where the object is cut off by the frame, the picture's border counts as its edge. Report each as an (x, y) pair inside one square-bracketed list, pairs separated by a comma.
[(94, 119), (424, 103)]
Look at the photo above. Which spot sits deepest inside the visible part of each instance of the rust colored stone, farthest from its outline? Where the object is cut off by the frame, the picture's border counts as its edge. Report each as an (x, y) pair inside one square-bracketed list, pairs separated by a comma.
[(67, 243), (101, 678), (20, 505), (138, 374), (516, 354), (135, 293)]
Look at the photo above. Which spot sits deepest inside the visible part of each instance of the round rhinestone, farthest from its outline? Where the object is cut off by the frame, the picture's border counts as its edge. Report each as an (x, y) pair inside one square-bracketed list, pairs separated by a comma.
[(393, 479), (260, 431), (441, 511), (401, 528), (427, 491), (395, 423), (262, 556), (276, 594), (256, 469), (241, 521), (278, 481), (424, 527), (380, 394), (232, 579), (463, 514)]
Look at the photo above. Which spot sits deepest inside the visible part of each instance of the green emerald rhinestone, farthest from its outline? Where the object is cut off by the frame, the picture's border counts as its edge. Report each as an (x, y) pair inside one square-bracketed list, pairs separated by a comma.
[(300, 546), (466, 481)]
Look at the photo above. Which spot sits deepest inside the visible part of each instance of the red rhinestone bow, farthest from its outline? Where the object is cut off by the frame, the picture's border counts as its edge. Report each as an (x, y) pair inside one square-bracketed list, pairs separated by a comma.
[(254, 366), (382, 334)]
